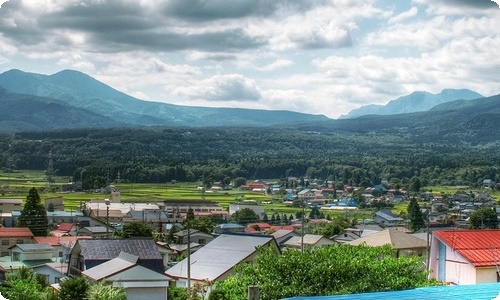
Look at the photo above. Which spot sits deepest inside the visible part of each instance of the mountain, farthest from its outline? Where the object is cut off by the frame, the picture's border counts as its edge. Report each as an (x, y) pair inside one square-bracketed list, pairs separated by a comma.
[(79, 92), (458, 122), (415, 102)]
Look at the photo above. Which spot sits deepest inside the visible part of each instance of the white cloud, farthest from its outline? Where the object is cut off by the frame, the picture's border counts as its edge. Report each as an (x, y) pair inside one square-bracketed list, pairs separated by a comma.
[(404, 15), (222, 88)]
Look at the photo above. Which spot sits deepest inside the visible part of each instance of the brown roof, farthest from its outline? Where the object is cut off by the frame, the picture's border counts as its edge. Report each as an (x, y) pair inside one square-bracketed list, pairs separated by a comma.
[(392, 236), (15, 232)]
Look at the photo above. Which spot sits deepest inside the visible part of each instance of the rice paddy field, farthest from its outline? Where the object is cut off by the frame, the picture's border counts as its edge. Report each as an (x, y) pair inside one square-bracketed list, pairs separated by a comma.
[(16, 185)]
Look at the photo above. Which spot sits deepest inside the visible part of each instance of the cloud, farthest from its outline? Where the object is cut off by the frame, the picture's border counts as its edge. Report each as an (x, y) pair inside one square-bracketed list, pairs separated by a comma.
[(222, 88), (404, 15)]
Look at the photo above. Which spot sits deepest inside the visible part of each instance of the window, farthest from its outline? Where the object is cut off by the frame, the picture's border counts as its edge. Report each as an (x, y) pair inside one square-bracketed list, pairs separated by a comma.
[(5, 242), (19, 241), (202, 241), (4, 253), (15, 256)]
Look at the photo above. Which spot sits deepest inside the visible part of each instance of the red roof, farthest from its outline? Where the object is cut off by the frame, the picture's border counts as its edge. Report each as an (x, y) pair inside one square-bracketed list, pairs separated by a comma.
[(479, 247), (65, 227), (261, 225), (15, 232), (54, 240)]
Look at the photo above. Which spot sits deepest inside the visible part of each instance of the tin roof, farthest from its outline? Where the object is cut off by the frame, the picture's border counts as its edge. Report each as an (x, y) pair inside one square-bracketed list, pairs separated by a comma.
[(463, 292), (480, 247)]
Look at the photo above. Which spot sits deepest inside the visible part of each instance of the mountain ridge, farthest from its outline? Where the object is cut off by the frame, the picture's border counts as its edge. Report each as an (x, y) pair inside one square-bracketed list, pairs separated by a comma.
[(414, 102), (81, 91)]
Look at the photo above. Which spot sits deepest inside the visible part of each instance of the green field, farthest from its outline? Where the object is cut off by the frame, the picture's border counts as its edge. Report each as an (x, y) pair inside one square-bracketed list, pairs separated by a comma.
[(16, 185)]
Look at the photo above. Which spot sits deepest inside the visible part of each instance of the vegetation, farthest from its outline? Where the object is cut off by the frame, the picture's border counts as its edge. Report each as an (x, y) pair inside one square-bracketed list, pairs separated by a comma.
[(96, 157), (25, 284), (104, 291), (74, 288), (415, 215), (33, 215), (326, 271), (485, 217)]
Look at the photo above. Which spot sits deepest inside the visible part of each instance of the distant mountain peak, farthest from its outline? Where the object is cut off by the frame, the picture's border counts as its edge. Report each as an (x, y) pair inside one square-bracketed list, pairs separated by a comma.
[(415, 102)]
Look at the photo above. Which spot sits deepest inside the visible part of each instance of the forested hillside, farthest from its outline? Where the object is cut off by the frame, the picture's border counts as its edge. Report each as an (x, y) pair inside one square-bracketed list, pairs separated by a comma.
[(218, 154)]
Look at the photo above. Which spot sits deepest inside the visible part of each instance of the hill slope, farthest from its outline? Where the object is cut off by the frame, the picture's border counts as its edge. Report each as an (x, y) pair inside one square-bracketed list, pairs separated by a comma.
[(80, 91)]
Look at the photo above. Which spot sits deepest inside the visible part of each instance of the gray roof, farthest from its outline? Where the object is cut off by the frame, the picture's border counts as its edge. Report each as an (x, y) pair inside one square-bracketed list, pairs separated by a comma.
[(96, 229), (109, 249), (388, 216), (106, 269), (34, 247), (219, 256), (230, 226), (138, 273)]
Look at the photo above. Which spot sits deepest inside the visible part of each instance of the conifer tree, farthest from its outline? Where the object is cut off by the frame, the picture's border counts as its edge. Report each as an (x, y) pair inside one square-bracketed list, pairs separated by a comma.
[(34, 215), (415, 214)]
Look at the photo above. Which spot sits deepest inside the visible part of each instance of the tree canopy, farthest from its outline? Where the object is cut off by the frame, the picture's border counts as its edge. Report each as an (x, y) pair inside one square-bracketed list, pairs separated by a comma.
[(244, 216), (33, 215), (326, 271), (485, 217), (415, 215)]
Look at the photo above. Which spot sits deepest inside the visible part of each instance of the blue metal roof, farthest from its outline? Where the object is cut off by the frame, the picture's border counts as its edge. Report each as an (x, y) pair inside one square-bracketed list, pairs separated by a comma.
[(463, 292)]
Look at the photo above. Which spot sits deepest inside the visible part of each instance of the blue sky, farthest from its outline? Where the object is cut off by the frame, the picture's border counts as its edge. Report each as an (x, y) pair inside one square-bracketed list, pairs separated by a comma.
[(315, 56)]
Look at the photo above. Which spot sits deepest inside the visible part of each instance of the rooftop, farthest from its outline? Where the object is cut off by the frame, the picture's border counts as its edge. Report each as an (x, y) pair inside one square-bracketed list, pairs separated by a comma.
[(479, 247)]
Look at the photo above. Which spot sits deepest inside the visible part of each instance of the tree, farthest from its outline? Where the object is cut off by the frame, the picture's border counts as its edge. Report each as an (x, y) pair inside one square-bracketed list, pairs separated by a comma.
[(415, 184), (136, 229), (74, 288), (103, 291), (26, 284), (415, 215), (485, 217), (326, 271), (239, 181), (34, 215), (244, 216)]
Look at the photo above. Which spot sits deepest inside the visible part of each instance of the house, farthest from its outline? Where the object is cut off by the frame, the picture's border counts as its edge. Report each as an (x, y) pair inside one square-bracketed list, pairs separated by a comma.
[(125, 272), (195, 236), (387, 218), (465, 256), (96, 232), (257, 227), (10, 236), (216, 260), (64, 229), (250, 204), (228, 228), (309, 240), (283, 235), (87, 254), (61, 244), (404, 243), (171, 252), (27, 255), (307, 196), (54, 203), (10, 205)]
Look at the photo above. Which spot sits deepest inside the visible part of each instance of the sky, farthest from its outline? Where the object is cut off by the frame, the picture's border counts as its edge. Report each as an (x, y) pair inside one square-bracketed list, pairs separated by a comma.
[(313, 56)]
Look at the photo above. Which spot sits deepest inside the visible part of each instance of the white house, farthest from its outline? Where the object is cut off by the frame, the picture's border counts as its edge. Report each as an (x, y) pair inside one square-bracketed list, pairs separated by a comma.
[(465, 256)]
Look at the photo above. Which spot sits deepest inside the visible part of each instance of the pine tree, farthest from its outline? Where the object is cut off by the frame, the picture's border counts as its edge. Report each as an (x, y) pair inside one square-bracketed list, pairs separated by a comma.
[(415, 214), (34, 215)]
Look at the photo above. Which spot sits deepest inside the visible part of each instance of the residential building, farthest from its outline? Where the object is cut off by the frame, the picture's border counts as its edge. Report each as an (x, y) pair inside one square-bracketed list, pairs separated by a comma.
[(195, 236), (10, 236), (61, 244), (404, 243), (10, 205), (308, 240), (125, 271), (465, 256), (387, 218), (216, 260), (87, 254), (249, 204)]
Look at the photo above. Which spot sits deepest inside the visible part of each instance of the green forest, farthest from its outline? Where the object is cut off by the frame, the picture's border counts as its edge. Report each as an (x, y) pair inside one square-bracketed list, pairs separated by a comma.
[(156, 155)]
